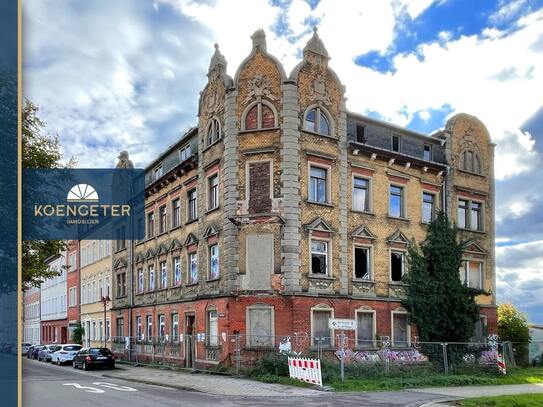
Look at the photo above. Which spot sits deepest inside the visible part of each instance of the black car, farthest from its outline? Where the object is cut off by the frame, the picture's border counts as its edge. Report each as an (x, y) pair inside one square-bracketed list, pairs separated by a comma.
[(89, 358), (29, 353), (35, 351)]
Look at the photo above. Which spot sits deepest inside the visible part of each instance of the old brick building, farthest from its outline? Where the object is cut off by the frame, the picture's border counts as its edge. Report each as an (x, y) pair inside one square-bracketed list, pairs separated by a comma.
[(282, 209)]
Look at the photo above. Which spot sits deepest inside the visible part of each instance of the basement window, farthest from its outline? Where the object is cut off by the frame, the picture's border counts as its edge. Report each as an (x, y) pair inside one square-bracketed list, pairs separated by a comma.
[(397, 266)]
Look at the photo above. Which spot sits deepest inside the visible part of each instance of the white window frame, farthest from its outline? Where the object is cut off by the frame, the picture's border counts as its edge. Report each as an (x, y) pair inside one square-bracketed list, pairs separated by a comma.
[(210, 258), (328, 180), (369, 248), (328, 255), (404, 263), (151, 272), (403, 197), (368, 202), (325, 308), (214, 127), (141, 280), (163, 274), (318, 110), (465, 264), (185, 152), (434, 206), (212, 340), (177, 271), (399, 311), (366, 310), (158, 172), (191, 256)]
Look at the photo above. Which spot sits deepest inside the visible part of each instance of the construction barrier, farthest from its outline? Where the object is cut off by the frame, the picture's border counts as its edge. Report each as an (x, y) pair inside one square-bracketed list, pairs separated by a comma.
[(306, 370)]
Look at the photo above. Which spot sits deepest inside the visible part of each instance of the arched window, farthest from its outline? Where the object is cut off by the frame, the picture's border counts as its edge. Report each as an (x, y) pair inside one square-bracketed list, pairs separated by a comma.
[(213, 132), (471, 162), (259, 116), (316, 121)]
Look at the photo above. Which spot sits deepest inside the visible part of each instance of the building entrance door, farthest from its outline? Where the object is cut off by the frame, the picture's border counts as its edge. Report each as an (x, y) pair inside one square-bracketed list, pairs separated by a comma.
[(189, 340)]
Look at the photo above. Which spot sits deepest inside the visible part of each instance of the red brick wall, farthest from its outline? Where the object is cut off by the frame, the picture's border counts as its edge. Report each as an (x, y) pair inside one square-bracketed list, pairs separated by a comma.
[(47, 331)]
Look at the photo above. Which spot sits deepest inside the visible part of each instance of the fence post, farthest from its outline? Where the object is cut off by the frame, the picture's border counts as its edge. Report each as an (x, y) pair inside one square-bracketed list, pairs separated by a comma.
[(238, 354), (342, 354), (445, 358)]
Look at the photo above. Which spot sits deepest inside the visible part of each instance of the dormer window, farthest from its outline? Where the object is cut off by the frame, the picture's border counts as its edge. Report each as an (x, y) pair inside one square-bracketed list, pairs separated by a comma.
[(158, 172), (360, 133), (184, 153), (213, 132), (427, 152), (258, 116), (396, 143), (316, 121)]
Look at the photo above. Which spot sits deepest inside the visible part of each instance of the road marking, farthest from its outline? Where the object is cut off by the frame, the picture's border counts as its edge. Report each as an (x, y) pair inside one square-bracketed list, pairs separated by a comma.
[(114, 386), (86, 388)]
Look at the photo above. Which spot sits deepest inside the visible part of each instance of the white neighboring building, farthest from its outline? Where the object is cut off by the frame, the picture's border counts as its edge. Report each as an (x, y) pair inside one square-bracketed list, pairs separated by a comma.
[(31, 316), (54, 322)]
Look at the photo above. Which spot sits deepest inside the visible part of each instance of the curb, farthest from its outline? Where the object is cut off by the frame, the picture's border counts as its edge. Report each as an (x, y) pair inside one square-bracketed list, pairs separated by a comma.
[(172, 386)]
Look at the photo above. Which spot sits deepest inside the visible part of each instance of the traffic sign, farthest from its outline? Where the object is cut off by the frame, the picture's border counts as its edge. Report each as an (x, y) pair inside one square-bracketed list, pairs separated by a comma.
[(342, 324)]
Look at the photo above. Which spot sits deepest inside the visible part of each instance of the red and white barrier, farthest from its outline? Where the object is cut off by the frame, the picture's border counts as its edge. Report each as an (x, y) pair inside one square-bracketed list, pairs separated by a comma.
[(501, 364), (306, 370)]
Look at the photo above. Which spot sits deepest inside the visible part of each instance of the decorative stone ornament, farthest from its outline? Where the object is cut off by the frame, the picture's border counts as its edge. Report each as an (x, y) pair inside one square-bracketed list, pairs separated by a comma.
[(124, 160), (259, 86), (259, 40), (319, 93)]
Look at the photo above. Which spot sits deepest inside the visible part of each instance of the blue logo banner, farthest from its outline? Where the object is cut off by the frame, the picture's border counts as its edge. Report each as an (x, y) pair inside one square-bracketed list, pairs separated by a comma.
[(83, 204)]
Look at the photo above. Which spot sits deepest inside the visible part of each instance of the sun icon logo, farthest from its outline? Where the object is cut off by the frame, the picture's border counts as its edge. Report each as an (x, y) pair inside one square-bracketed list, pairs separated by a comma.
[(82, 193)]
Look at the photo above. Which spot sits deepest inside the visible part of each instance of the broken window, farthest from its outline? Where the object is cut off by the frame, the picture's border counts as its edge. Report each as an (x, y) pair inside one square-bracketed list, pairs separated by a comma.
[(319, 257), (362, 263), (396, 143), (397, 265), (471, 274), (360, 133)]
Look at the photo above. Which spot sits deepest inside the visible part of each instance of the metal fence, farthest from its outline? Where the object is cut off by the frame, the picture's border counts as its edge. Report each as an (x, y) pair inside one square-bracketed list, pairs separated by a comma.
[(341, 356)]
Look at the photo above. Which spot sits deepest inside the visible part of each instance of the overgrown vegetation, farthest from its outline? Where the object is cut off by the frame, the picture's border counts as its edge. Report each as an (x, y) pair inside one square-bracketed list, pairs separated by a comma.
[(513, 327), (517, 400), (433, 276), (77, 334)]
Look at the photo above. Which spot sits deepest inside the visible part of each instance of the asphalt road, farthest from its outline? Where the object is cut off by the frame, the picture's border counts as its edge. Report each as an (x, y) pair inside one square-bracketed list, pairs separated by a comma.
[(46, 385)]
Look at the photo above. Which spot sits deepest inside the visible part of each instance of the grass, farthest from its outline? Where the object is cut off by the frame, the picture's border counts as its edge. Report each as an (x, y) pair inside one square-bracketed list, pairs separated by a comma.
[(519, 400), (515, 376)]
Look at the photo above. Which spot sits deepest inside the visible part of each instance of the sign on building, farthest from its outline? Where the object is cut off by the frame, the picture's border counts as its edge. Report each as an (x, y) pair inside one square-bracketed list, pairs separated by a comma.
[(306, 370), (342, 324)]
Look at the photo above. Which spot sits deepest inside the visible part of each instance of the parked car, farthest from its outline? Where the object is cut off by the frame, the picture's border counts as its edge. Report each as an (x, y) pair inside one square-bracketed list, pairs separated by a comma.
[(24, 348), (35, 351), (44, 354), (65, 353), (29, 351), (89, 358)]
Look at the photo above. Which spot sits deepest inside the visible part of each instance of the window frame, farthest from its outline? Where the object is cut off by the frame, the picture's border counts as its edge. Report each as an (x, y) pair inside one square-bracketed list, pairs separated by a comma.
[(328, 255), (141, 280), (360, 139), (319, 110), (174, 327), (327, 180), (176, 212), (403, 252), (368, 200), (149, 327), (177, 282), (395, 137), (258, 104), (213, 133), (321, 308), (212, 191), (365, 310), (183, 151), (192, 205), (162, 219), (433, 208), (151, 272), (211, 247), (403, 203), (369, 261), (190, 262), (158, 171), (430, 152), (163, 265), (465, 264), (468, 214), (212, 342), (250, 335), (150, 224), (399, 311)]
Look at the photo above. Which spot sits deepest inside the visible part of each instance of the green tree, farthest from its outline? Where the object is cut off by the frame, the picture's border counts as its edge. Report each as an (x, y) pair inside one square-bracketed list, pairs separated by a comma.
[(438, 303), (40, 149), (513, 327), (77, 334)]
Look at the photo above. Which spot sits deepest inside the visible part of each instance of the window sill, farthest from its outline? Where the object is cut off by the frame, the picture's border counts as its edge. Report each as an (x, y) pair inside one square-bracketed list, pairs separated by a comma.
[(191, 284), (245, 131), (212, 347), (363, 212), (471, 173), (398, 283), (482, 232), (191, 221), (119, 297), (362, 280), (211, 145), (396, 218), (314, 133), (320, 203), (212, 210), (176, 227), (147, 239), (320, 277), (140, 242), (162, 233), (210, 280)]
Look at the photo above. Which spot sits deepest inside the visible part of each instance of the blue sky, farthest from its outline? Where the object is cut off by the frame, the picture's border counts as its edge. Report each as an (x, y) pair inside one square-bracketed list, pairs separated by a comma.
[(110, 76)]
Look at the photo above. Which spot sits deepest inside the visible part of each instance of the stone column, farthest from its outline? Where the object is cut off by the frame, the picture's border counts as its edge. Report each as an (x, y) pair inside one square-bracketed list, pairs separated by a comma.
[(344, 183)]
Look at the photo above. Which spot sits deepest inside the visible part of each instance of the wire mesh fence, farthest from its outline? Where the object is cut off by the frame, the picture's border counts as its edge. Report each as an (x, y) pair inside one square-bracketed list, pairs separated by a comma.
[(343, 356)]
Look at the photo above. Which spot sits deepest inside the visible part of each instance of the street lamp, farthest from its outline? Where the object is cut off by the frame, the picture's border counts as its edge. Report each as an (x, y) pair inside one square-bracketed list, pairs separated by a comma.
[(105, 300)]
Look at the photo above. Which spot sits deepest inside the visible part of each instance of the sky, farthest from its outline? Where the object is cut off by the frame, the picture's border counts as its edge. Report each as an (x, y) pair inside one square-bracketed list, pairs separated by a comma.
[(126, 75)]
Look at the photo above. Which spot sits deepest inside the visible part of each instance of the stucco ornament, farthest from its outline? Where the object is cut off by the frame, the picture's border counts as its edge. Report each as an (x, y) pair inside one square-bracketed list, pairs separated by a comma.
[(259, 86), (319, 93), (124, 160)]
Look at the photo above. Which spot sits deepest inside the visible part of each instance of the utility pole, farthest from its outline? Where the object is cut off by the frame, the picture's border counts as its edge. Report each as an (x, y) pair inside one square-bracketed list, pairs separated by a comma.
[(105, 300)]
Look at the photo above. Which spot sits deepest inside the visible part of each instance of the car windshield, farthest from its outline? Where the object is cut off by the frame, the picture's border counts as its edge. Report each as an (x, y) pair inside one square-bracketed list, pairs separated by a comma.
[(72, 347), (101, 351), (51, 347)]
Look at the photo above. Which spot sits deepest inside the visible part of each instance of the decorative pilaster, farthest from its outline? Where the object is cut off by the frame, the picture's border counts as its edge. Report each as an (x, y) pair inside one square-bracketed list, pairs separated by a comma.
[(343, 198)]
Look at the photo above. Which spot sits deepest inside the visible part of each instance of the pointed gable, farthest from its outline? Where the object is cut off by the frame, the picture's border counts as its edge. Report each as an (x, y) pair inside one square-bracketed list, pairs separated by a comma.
[(150, 254), (120, 263), (212, 230), (190, 240), (362, 231), (398, 237), (139, 257), (174, 245), (472, 246), (320, 225), (162, 249)]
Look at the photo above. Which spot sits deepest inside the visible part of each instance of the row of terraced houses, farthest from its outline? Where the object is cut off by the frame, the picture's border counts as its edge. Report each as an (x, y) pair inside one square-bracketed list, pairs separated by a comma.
[(280, 210)]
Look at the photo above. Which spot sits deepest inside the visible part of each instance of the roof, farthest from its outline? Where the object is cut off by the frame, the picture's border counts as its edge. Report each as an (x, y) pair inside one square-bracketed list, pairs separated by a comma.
[(184, 137)]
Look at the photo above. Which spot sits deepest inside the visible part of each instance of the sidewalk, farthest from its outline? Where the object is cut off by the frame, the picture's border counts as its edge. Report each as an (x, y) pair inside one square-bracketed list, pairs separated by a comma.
[(207, 383), (482, 391)]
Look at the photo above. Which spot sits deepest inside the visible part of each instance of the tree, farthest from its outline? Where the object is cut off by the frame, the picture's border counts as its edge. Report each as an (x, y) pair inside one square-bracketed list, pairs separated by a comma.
[(39, 150), (442, 308), (77, 334), (513, 327)]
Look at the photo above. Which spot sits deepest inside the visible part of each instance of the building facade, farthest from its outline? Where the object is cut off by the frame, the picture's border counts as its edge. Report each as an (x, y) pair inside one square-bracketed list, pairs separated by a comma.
[(31, 315), (95, 291), (53, 297), (282, 209), (72, 283)]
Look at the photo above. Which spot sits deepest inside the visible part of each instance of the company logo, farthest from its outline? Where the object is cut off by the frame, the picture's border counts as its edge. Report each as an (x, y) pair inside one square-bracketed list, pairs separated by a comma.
[(82, 193)]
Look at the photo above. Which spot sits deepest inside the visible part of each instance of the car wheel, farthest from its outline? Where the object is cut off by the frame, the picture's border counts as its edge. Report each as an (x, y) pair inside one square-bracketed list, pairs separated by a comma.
[(85, 367)]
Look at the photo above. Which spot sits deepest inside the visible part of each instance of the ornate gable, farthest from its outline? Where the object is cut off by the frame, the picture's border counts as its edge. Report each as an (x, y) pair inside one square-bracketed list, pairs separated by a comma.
[(150, 254), (212, 230), (363, 232), (320, 225), (398, 237), (473, 246), (191, 239), (120, 263), (162, 249), (175, 244)]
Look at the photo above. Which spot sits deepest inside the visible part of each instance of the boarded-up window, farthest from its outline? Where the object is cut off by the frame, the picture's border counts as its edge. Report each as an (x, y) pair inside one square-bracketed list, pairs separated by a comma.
[(320, 332), (268, 118), (365, 329), (400, 328), (260, 326), (259, 262), (251, 120), (259, 187)]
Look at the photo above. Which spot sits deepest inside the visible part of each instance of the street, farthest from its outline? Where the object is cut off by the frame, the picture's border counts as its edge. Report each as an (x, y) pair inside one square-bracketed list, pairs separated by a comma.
[(46, 385)]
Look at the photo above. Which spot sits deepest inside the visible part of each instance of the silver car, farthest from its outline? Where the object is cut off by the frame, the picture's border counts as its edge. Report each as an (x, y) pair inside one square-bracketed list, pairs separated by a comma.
[(65, 353)]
